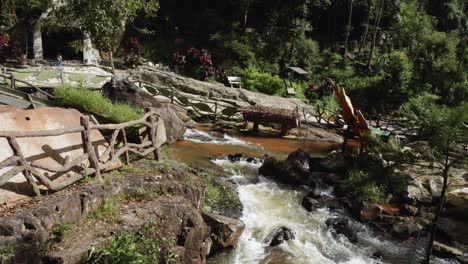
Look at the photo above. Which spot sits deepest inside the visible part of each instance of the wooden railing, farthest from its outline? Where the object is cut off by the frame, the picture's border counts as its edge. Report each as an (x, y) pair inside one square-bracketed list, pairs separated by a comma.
[(12, 80), (319, 114), (149, 144), (210, 107)]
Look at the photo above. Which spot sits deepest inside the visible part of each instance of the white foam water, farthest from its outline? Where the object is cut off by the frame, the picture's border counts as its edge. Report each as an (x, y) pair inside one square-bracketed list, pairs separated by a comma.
[(199, 136), (269, 206)]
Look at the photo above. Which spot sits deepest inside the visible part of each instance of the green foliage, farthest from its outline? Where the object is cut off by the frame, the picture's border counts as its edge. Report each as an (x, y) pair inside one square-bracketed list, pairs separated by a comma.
[(102, 19), (60, 232), (108, 211), (362, 185), (263, 82), (95, 102), (7, 252), (145, 246), (217, 195), (124, 249), (444, 128)]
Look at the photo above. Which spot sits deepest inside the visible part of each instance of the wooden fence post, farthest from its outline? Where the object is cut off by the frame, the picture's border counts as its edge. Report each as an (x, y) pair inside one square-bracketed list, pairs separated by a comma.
[(151, 131), (216, 111), (124, 139), (88, 146), (17, 151), (12, 81)]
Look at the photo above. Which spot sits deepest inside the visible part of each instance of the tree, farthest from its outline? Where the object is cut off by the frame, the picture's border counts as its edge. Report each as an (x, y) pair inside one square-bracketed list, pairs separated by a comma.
[(105, 20), (446, 131)]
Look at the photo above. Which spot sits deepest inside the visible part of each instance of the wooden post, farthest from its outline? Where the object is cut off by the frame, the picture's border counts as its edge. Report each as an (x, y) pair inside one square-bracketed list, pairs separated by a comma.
[(17, 151), (88, 146), (124, 139), (216, 111), (12, 81), (151, 131)]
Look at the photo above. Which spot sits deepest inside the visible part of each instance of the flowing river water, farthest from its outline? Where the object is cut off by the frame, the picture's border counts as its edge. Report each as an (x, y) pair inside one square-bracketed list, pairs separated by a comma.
[(268, 205)]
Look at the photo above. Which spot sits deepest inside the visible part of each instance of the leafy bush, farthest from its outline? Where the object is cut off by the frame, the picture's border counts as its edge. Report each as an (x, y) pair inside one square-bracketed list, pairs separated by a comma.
[(133, 52), (4, 44), (95, 102), (60, 232), (362, 185), (263, 82), (195, 63), (435, 123)]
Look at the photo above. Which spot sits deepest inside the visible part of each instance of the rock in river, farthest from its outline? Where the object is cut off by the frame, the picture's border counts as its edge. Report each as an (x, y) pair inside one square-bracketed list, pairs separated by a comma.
[(341, 226), (279, 236), (294, 170), (225, 232)]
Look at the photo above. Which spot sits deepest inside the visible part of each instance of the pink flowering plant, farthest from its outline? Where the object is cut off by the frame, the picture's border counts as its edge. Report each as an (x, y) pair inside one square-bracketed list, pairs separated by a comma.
[(195, 63)]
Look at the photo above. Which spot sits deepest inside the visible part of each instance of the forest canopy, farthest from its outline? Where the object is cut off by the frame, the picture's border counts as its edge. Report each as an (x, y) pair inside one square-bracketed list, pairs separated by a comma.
[(383, 51)]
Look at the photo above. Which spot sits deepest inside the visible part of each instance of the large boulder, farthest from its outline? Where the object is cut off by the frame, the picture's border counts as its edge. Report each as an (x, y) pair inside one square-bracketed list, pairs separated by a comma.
[(311, 204), (341, 226), (122, 90), (225, 232), (406, 229), (294, 170), (337, 162), (240, 97), (279, 236)]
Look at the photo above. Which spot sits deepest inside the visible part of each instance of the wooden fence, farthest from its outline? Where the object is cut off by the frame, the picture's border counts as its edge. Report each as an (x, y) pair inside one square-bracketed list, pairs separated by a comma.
[(12, 81), (149, 144), (210, 107)]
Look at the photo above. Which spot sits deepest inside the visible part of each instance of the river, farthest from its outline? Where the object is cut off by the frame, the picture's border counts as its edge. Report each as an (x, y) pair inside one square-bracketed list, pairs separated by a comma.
[(268, 205)]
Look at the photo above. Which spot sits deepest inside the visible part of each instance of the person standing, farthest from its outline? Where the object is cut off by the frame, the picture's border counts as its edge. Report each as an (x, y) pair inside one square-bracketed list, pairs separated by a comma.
[(59, 60)]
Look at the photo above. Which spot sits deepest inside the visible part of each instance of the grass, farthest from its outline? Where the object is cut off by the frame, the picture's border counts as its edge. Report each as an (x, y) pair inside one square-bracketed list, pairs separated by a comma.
[(22, 75), (143, 193), (78, 77), (97, 79), (144, 246), (108, 210), (60, 232), (46, 75), (217, 195), (95, 102)]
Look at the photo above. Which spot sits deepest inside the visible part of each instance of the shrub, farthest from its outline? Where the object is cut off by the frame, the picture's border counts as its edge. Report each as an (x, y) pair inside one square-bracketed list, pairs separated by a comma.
[(4, 46), (133, 52), (362, 185), (94, 102), (60, 232), (263, 82), (195, 63)]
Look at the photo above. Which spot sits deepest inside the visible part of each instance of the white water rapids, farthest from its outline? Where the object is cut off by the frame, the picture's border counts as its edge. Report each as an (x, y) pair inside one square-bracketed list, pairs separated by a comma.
[(268, 206)]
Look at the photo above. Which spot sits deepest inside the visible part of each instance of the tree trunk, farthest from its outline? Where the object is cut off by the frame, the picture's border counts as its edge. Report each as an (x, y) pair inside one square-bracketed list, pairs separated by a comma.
[(37, 42), (348, 28), (445, 175), (366, 30), (246, 15), (111, 57), (376, 29)]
